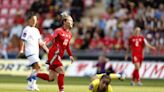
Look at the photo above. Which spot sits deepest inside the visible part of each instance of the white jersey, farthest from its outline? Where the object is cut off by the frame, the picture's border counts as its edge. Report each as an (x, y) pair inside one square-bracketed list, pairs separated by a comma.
[(31, 37)]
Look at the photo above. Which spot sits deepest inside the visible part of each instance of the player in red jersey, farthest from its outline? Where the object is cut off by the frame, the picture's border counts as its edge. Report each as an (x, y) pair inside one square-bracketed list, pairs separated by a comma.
[(62, 38), (136, 44)]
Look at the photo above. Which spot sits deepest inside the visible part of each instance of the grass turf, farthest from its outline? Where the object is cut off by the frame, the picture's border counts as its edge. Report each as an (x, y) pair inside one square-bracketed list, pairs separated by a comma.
[(77, 84)]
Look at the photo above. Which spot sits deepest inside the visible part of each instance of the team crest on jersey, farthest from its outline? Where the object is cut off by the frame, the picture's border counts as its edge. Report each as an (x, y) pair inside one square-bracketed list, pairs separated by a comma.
[(24, 34)]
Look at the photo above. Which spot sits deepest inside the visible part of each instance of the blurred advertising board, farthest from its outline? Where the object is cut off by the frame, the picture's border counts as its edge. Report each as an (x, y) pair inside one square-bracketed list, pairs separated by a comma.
[(80, 68)]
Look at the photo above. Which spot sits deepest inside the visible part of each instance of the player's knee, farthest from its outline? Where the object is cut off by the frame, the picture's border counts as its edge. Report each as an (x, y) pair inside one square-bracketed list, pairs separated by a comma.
[(50, 80), (36, 66)]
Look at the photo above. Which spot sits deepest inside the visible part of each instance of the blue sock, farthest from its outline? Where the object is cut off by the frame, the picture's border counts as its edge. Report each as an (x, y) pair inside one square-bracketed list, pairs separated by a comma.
[(34, 78)]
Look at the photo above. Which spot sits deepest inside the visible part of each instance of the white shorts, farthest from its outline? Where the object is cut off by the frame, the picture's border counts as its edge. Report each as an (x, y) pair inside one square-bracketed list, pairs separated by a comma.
[(33, 59)]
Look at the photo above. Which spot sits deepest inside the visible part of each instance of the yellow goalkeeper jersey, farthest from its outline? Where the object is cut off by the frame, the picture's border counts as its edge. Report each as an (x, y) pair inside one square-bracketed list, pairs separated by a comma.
[(93, 87)]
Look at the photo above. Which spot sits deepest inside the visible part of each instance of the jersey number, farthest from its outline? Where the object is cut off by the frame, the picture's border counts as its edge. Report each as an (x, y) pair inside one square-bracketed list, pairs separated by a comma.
[(137, 43), (65, 42)]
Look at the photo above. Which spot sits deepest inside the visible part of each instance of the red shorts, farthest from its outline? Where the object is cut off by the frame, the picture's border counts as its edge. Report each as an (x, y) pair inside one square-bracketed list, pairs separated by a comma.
[(54, 59), (55, 64), (136, 59)]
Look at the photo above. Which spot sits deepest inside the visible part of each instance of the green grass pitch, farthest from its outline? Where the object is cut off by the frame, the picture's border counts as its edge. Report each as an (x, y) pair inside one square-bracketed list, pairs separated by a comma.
[(75, 84)]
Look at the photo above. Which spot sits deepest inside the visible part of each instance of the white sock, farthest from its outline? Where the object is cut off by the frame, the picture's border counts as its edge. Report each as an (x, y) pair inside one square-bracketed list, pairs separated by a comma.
[(29, 83), (33, 82)]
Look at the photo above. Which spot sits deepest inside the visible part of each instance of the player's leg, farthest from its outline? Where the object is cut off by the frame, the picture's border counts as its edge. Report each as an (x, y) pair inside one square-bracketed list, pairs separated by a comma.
[(49, 77), (34, 59), (136, 69), (36, 69), (138, 75), (60, 78), (135, 73), (52, 59)]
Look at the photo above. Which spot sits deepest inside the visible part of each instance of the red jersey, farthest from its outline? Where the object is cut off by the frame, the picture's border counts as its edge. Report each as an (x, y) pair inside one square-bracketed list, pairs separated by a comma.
[(62, 39), (137, 45)]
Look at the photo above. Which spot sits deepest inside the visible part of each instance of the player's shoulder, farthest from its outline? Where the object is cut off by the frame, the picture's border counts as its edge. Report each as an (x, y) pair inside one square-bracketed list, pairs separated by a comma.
[(141, 36), (100, 75), (96, 81), (26, 28), (58, 29)]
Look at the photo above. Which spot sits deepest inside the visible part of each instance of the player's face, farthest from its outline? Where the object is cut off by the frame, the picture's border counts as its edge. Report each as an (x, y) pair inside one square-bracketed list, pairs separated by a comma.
[(137, 31), (104, 84), (33, 21), (69, 22)]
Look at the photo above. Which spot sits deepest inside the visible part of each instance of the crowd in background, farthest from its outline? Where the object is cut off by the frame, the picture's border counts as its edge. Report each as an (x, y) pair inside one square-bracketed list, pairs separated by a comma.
[(107, 32)]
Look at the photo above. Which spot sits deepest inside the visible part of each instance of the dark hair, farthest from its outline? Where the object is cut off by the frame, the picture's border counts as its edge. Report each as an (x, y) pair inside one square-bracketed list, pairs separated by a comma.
[(29, 15), (106, 76)]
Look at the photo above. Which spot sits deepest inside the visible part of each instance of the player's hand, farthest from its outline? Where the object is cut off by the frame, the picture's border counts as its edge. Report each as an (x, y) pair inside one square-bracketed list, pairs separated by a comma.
[(72, 59), (21, 55)]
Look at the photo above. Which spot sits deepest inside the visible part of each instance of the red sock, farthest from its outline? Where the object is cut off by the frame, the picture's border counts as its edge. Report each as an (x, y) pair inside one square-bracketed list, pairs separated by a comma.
[(43, 76), (61, 82), (137, 75), (134, 75)]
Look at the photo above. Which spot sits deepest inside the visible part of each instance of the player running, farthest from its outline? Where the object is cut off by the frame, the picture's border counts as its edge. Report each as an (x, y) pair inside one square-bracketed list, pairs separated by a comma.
[(136, 44), (31, 40), (61, 37)]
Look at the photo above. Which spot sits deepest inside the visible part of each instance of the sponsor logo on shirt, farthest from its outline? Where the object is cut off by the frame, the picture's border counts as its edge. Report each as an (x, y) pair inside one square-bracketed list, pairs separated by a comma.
[(24, 34)]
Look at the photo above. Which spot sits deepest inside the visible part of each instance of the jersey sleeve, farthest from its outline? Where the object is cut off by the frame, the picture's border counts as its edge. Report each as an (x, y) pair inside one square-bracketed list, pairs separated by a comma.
[(68, 47), (99, 75), (25, 34), (49, 38), (69, 50)]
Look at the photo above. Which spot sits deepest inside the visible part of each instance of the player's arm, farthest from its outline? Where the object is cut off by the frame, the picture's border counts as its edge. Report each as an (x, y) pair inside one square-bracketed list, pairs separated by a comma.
[(21, 50), (21, 46), (24, 37), (51, 37), (148, 45), (43, 45), (121, 76), (110, 88), (69, 52)]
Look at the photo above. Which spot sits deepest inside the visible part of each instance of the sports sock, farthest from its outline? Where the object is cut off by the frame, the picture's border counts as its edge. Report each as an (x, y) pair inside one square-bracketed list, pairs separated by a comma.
[(43, 76), (134, 75), (137, 75), (61, 82)]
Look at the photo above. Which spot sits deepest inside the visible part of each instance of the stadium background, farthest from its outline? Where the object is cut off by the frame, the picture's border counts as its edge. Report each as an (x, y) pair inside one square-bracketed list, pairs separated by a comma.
[(101, 27)]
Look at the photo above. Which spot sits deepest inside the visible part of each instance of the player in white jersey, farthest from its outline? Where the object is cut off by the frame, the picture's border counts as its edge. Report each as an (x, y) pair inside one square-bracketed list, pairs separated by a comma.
[(31, 40)]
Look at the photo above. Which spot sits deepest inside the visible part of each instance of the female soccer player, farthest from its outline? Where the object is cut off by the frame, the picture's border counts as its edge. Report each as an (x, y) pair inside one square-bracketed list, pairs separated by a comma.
[(30, 45), (61, 38), (136, 44)]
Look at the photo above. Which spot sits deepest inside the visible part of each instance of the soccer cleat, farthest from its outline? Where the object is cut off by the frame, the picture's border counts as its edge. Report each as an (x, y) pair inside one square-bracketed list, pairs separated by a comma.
[(122, 77), (139, 83), (35, 87), (29, 88), (132, 83)]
